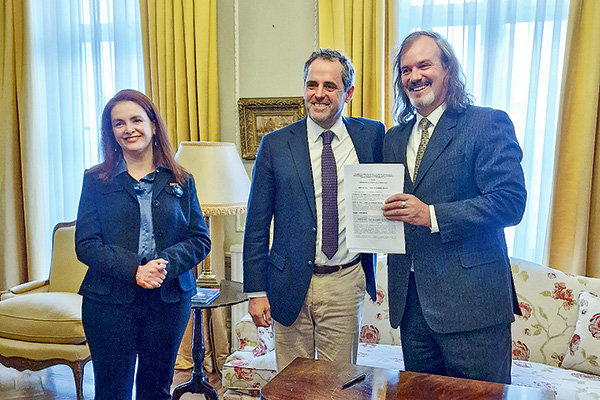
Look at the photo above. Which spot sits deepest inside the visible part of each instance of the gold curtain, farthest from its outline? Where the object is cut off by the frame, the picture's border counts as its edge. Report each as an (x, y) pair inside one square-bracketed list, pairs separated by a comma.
[(574, 244), (19, 178), (180, 60), (362, 29)]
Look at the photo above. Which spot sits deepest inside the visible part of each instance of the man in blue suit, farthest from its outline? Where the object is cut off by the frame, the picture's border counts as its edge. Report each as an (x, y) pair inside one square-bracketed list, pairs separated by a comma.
[(306, 279), (452, 293)]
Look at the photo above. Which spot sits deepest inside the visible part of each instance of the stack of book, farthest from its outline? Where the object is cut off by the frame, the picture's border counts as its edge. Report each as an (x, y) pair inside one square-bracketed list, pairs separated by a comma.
[(206, 295)]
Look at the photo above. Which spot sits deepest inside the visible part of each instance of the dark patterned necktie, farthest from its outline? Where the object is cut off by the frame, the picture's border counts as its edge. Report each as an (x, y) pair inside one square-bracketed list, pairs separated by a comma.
[(329, 195), (422, 145)]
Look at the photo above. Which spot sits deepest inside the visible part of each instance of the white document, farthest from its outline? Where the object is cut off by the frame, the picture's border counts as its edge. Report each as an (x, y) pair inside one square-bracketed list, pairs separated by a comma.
[(367, 186)]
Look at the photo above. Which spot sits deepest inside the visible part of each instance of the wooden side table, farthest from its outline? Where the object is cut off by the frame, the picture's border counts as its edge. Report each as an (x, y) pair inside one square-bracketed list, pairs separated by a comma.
[(231, 293)]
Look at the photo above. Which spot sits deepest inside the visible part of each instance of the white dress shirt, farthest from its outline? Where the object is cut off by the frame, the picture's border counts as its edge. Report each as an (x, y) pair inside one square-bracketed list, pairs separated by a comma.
[(344, 153), (413, 146)]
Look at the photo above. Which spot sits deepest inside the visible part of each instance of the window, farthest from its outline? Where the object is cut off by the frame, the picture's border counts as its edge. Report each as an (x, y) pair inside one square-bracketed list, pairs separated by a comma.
[(83, 52), (512, 54)]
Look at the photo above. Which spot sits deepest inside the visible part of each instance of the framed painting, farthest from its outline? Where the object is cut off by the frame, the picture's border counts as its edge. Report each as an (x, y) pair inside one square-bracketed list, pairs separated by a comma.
[(259, 116)]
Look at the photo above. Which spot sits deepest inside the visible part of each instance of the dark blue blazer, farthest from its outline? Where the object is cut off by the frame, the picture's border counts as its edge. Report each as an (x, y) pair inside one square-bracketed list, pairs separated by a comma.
[(471, 172), (282, 189), (107, 236)]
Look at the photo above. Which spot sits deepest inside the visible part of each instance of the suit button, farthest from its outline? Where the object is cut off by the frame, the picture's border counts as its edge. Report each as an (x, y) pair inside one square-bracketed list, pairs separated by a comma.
[(310, 263), (413, 228), (159, 234), (314, 229), (156, 203)]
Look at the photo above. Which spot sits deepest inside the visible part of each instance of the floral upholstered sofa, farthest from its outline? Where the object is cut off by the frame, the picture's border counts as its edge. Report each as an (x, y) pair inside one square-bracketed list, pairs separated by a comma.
[(555, 343)]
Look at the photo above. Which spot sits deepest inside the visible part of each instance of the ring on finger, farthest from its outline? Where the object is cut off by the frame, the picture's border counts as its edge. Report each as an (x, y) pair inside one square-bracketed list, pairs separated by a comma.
[(403, 204)]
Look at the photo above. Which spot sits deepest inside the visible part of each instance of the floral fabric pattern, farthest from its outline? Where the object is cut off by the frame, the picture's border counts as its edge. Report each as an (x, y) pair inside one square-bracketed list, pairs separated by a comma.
[(547, 298), (566, 384), (550, 337), (520, 350), (369, 334), (244, 371), (584, 346), (241, 395), (376, 326), (380, 356)]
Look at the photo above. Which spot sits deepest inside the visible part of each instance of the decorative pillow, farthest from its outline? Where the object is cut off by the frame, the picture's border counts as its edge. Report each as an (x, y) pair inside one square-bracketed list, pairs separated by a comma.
[(42, 317), (584, 347)]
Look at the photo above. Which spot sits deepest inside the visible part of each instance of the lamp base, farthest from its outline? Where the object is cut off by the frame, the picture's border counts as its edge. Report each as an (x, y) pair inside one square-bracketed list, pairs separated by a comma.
[(207, 280)]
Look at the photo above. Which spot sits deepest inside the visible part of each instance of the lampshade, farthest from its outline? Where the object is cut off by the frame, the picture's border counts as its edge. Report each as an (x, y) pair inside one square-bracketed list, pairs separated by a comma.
[(222, 182)]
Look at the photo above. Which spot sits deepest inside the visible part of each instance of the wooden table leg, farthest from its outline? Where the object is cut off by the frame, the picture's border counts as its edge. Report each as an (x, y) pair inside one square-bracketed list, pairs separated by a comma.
[(198, 383)]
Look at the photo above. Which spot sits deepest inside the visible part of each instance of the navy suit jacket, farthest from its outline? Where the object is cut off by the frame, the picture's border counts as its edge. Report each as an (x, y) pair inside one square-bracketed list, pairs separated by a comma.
[(471, 172), (107, 236), (282, 189)]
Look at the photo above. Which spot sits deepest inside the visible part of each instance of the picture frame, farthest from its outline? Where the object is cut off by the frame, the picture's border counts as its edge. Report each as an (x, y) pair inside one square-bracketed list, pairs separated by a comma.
[(259, 116)]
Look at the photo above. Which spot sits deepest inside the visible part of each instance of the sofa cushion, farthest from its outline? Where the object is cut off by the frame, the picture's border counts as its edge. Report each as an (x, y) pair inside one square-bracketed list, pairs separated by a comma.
[(42, 317), (584, 348), (231, 394), (548, 301), (380, 356), (243, 370), (566, 384)]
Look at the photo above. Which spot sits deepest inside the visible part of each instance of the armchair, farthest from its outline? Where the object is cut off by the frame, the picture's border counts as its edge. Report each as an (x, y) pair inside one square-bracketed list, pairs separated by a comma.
[(40, 321)]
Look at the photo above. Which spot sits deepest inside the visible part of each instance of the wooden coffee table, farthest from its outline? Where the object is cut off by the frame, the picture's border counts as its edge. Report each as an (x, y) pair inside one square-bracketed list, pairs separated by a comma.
[(317, 379)]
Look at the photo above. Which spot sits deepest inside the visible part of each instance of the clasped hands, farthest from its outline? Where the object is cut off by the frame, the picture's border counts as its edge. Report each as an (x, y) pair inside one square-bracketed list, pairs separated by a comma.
[(152, 274), (406, 208)]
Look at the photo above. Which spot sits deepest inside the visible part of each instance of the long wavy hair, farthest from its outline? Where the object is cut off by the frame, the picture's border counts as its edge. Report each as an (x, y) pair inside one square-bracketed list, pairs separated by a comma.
[(457, 97), (163, 152)]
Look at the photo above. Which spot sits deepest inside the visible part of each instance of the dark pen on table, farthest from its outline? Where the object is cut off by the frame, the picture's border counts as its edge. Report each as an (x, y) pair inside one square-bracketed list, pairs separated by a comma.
[(354, 380)]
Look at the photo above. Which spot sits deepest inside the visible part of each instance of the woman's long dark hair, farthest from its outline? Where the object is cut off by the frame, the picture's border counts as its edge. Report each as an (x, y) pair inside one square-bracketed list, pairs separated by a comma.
[(163, 152)]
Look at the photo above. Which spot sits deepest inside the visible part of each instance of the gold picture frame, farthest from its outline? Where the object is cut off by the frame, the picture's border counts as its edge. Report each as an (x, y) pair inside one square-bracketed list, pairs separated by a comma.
[(259, 116)]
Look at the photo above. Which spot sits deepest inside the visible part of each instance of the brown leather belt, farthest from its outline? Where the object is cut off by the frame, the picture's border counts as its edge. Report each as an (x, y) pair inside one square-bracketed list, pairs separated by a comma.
[(328, 269)]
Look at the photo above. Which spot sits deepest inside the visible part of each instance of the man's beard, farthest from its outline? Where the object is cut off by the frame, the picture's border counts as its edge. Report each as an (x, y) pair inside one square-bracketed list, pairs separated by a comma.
[(423, 101)]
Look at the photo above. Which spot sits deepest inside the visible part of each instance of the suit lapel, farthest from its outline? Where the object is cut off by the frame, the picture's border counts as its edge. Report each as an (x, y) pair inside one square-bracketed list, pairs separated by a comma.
[(123, 180), (298, 144), (355, 129), (442, 136), (401, 150), (161, 179)]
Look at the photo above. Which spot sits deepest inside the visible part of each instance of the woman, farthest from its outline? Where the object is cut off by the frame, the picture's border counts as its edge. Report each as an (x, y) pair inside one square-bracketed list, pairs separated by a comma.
[(140, 231)]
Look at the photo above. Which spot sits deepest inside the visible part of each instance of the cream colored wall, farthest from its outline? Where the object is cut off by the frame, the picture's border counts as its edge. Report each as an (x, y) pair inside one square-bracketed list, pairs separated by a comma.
[(263, 45)]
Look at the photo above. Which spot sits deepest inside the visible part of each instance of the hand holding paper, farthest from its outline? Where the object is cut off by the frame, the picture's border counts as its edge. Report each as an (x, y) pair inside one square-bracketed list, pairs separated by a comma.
[(406, 208), (367, 186)]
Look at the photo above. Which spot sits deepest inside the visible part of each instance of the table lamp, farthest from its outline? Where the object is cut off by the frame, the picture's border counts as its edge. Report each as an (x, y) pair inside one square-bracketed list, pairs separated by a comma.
[(223, 185)]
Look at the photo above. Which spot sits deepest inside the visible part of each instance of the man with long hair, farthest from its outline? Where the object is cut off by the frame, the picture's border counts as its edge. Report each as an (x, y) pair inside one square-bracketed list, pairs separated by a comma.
[(452, 293)]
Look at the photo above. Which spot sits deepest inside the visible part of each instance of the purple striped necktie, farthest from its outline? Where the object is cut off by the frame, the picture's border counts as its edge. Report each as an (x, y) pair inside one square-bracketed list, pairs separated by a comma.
[(329, 194)]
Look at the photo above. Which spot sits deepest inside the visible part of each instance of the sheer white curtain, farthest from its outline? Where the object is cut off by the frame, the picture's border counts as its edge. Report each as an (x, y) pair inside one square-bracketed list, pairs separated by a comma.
[(82, 52), (512, 54)]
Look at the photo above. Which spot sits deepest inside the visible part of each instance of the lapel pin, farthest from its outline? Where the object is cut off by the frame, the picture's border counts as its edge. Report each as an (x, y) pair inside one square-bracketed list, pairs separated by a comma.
[(177, 189)]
